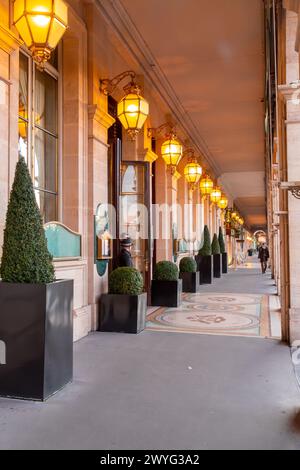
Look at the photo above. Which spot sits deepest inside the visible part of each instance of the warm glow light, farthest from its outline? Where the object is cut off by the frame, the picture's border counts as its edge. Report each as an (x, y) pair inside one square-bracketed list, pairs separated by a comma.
[(223, 203), (133, 111), (193, 173), (206, 185), (216, 195), (171, 152), (41, 24), (234, 215)]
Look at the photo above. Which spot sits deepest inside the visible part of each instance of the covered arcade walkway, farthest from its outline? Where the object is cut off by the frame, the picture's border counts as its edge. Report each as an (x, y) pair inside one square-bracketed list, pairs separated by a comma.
[(160, 390)]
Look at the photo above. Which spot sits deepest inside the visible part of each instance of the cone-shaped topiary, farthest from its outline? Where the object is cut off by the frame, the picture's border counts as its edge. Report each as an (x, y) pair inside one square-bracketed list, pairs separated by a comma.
[(187, 265), (166, 271), (25, 257), (215, 247), (222, 241), (126, 281), (206, 248)]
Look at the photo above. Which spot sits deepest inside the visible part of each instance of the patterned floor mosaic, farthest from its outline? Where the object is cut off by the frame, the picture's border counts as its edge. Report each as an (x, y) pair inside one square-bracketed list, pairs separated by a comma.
[(213, 313)]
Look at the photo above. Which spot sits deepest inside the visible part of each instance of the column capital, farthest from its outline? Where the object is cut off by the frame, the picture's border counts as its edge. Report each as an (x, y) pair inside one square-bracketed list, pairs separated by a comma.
[(100, 116), (9, 41)]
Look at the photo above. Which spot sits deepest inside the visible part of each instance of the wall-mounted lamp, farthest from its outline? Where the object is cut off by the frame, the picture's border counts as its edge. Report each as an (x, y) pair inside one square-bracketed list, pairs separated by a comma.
[(192, 171), (133, 109), (41, 24), (206, 185), (216, 195), (171, 149), (223, 203)]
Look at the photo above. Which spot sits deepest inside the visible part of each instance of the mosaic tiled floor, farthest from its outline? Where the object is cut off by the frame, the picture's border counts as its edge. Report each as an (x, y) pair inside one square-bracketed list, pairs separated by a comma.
[(213, 313)]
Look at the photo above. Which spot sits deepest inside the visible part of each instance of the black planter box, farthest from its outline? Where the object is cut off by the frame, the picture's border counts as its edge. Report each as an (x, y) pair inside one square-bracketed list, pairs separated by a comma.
[(123, 313), (190, 282), (217, 266), (224, 263), (205, 268), (166, 293), (36, 325)]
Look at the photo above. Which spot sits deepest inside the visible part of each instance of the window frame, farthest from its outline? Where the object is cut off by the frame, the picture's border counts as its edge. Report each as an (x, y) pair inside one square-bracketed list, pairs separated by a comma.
[(54, 73)]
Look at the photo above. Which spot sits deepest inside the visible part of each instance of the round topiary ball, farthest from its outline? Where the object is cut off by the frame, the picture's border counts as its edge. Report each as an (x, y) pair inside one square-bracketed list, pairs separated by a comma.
[(166, 271), (187, 265), (126, 281)]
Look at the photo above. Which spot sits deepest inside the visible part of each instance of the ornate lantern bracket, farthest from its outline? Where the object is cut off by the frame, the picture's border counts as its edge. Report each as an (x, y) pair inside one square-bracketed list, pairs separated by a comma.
[(168, 126), (108, 86)]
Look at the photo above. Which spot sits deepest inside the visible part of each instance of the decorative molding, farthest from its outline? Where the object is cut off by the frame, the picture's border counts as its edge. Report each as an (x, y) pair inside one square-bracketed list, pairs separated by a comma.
[(120, 21), (292, 186), (100, 116), (148, 156), (289, 91), (176, 175), (9, 42)]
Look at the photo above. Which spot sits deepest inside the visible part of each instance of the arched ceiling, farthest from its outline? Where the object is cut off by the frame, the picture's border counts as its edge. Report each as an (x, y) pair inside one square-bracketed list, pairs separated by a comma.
[(212, 54)]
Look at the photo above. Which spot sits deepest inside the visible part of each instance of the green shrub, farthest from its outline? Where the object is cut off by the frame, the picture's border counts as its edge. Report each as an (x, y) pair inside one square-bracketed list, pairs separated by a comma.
[(126, 281), (206, 248), (187, 265), (166, 271), (215, 246), (222, 241), (25, 256)]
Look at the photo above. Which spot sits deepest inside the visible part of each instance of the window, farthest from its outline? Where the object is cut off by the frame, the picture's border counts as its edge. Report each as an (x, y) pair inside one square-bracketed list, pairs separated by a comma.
[(38, 132)]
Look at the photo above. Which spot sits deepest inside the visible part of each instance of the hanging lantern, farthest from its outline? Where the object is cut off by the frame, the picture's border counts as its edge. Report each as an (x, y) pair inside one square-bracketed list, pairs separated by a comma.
[(133, 111), (192, 172), (234, 215), (41, 24), (171, 152), (223, 203), (216, 195), (206, 185)]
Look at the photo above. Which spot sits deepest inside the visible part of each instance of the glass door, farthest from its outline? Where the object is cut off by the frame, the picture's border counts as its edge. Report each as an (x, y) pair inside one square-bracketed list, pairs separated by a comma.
[(135, 214)]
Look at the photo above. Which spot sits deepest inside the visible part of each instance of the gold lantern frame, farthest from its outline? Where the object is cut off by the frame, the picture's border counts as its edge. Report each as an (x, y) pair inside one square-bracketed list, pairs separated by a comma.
[(171, 148), (215, 195), (206, 185), (193, 170), (223, 203), (47, 20), (131, 119)]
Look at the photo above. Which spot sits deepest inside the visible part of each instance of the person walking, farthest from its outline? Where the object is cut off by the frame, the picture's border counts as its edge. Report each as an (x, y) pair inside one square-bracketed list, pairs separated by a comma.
[(125, 259), (263, 255)]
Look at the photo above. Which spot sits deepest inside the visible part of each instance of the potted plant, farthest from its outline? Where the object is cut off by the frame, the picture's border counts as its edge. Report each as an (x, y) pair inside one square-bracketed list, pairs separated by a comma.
[(189, 275), (123, 309), (204, 259), (166, 287), (36, 318), (224, 254), (216, 252)]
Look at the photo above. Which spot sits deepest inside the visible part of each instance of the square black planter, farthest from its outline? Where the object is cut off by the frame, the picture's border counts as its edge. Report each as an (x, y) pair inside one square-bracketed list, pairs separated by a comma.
[(217, 266), (123, 313), (166, 293), (36, 326), (224, 263), (205, 268), (190, 282)]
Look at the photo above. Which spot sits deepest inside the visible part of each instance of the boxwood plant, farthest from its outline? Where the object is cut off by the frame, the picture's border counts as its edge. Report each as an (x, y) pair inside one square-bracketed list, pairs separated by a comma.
[(206, 248), (25, 256), (166, 271), (188, 265), (215, 246), (126, 281), (222, 241)]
